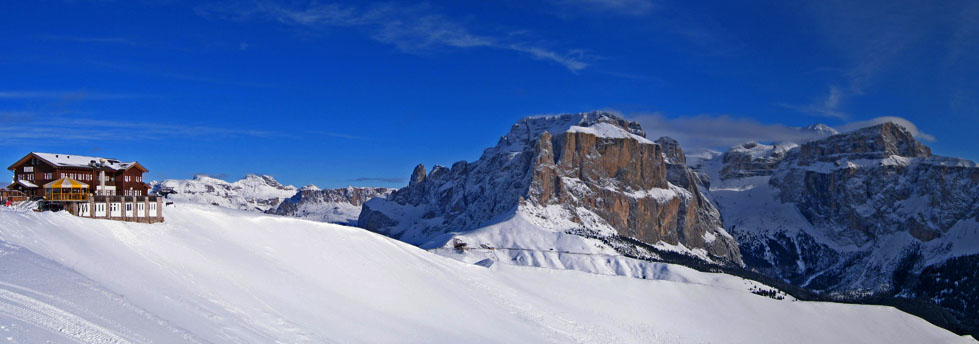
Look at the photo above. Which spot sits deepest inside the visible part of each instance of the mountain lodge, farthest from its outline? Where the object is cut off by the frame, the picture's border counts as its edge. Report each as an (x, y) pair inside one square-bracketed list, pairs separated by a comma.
[(87, 186)]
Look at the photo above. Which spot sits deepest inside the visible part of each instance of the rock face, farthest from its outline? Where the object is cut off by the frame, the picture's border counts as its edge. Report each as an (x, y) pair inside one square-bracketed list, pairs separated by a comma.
[(878, 181), (876, 142), (753, 159), (340, 206), (859, 212), (593, 174)]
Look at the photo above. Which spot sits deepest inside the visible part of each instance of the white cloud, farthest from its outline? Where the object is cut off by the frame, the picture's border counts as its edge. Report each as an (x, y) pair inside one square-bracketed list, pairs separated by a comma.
[(717, 132), (411, 29)]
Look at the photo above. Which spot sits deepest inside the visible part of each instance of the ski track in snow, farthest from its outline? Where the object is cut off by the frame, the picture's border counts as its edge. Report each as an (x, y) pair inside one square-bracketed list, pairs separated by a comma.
[(53, 319)]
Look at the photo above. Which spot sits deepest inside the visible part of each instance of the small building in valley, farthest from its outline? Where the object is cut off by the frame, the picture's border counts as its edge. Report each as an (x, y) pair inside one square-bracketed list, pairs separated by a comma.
[(87, 186)]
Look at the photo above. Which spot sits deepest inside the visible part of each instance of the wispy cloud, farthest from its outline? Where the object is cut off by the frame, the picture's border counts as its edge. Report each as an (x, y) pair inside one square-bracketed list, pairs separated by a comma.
[(334, 134), (67, 95), (23, 128), (829, 106), (870, 39), (15, 117), (89, 39), (701, 132), (618, 7), (380, 179), (872, 36), (176, 75), (411, 29)]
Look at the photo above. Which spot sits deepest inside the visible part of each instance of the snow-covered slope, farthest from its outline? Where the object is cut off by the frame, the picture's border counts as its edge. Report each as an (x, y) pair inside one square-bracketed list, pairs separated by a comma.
[(42, 301), (254, 192), (211, 274)]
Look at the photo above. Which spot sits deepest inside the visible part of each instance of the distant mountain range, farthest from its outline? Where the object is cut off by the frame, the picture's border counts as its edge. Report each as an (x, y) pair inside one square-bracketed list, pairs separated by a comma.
[(262, 193)]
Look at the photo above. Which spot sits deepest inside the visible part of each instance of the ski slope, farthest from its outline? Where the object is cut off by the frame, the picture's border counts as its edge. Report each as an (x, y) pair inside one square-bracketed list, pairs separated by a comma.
[(226, 276)]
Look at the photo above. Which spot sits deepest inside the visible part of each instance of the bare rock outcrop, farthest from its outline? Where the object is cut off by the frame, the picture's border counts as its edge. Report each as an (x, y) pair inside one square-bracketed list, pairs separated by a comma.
[(589, 173), (340, 206)]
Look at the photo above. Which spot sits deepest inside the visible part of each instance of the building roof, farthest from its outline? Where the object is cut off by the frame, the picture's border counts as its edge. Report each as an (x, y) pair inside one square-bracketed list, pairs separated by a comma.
[(81, 161), (66, 183), (25, 183)]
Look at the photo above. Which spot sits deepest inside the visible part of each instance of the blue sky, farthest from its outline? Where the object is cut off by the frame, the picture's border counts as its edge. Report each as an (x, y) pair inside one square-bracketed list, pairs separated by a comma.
[(356, 93)]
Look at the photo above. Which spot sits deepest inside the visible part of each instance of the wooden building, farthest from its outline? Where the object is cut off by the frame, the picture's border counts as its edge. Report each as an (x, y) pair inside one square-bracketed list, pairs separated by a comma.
[(104, 177), (11, 196), (88, 186)]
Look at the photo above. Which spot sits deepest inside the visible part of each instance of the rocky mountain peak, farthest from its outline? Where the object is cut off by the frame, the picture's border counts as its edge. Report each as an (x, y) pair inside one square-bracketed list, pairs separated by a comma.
[(340, 205), (876, 142), (672, 151), (821, 130), (753, 159), (590, 173), (418, 175), (264, 179), (599, 123)]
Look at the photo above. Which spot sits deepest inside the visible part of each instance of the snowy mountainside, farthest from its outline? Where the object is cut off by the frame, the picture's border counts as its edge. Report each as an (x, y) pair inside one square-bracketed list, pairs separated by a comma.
[(228, 276), (575, 185), (262, 193), (860, 212), (254, 192), (340, 206)]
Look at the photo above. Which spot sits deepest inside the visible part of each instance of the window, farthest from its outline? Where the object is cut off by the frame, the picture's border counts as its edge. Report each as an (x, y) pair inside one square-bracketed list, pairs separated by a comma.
[(47, 176), (152, 209), (84, 210), (28, 169), (114, 210), (127, 179), (129, 210), (99, 209), (140, 209)]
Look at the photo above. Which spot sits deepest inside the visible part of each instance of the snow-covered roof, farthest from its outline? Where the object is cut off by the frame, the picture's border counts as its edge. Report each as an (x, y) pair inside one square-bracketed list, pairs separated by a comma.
[(69, 160), (26, 183)]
